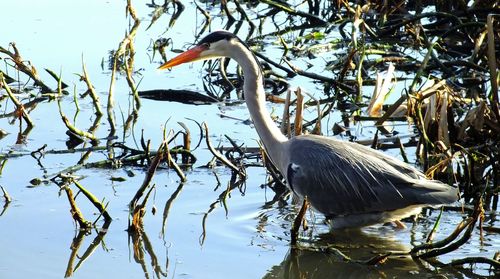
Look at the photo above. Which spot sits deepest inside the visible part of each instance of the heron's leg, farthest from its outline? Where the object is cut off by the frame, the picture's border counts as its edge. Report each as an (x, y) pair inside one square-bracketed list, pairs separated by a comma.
[(399, 225), (299, 220)]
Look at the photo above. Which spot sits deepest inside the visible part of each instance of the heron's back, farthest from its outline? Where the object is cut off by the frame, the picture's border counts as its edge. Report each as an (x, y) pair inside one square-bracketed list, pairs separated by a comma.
[(343, 178)]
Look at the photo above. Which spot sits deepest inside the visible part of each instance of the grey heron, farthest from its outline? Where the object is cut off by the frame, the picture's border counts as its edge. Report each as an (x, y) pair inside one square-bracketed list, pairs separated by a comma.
[(352, 185)]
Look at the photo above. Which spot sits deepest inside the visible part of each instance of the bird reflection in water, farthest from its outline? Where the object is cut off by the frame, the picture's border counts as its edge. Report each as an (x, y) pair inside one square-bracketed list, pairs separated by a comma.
[(313, 262)]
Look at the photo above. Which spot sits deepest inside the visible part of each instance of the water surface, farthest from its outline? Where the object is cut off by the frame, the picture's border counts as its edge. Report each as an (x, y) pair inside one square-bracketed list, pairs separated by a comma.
[(249, 240)]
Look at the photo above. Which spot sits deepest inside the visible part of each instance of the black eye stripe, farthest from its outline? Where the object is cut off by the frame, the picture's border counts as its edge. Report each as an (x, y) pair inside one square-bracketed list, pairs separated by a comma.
[(217, 36)]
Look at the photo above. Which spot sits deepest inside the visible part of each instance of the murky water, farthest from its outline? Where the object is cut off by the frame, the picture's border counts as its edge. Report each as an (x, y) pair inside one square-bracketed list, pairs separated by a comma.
[(38, 238)]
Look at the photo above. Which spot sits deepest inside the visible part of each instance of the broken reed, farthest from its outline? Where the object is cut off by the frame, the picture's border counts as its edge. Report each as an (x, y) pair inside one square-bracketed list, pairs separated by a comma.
[(64, 181), (138, 210)]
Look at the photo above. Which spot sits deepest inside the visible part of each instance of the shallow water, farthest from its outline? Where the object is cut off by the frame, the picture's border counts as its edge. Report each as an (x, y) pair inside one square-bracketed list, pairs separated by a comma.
[(250, 240)]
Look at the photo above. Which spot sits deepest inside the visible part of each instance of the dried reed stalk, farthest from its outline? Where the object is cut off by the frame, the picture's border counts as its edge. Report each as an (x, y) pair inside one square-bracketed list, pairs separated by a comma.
[(173, 164), (218, 155), (294, 233), (75, 211), (94, 201), (160, 155), (91, 90), (285, 120), (299, 104), (19, 107), (72, 128), (492, 64)]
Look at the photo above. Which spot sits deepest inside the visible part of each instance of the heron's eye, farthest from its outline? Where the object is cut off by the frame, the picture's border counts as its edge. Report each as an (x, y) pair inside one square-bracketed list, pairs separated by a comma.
[(206, 45)]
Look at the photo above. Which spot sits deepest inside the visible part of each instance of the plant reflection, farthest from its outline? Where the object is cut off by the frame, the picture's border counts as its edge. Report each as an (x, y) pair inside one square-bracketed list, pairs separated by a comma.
[(168, 205), (77, 242), (141, 243), (236, 182)]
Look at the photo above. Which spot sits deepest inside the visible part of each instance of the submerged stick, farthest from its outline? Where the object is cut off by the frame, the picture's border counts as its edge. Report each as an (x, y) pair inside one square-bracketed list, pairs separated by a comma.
[(93, 245), (208, 19), (495, 264), (75, 246), (186, 136), (314, 19), (137, 225)]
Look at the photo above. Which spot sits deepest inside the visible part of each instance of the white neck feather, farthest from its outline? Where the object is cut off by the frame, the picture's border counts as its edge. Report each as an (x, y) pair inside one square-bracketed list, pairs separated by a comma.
[(255, 98)]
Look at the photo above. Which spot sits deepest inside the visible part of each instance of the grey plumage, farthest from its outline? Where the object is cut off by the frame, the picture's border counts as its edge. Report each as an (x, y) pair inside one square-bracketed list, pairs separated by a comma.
[(343, 178), (349, 183)]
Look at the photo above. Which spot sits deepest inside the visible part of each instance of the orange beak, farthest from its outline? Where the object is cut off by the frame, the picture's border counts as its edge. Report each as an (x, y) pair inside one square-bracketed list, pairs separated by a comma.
[(187, 56)]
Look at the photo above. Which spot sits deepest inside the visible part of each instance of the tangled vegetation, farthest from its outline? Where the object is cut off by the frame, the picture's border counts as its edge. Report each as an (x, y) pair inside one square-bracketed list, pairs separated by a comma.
[(438, 58)]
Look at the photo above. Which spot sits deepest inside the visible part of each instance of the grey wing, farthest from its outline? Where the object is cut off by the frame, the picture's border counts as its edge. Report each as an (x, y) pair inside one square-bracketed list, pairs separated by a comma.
[(342, 178)]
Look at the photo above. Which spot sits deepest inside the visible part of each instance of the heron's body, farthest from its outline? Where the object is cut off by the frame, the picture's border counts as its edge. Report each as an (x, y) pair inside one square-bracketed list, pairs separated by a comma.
[(349, 183), (368, 186)]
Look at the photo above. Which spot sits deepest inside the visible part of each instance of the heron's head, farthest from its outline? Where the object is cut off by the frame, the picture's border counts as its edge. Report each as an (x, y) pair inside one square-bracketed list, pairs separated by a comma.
[(214, 45)]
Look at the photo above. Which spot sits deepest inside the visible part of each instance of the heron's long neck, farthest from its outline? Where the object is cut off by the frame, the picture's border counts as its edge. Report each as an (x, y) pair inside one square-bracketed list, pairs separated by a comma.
[(253, 89)]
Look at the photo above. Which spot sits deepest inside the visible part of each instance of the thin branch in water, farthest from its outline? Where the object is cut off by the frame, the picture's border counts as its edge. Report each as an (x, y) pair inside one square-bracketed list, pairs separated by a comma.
[(173, 164), (218, 155), (91, 90), (137, 226), (110, 105), (208, 20), (495, 264), (75, 211), (186, 136), (92, 246), (446, 245), (94, 201), (20, 110), (149, 176), (29, 69), (72, 128), (75, 246)]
